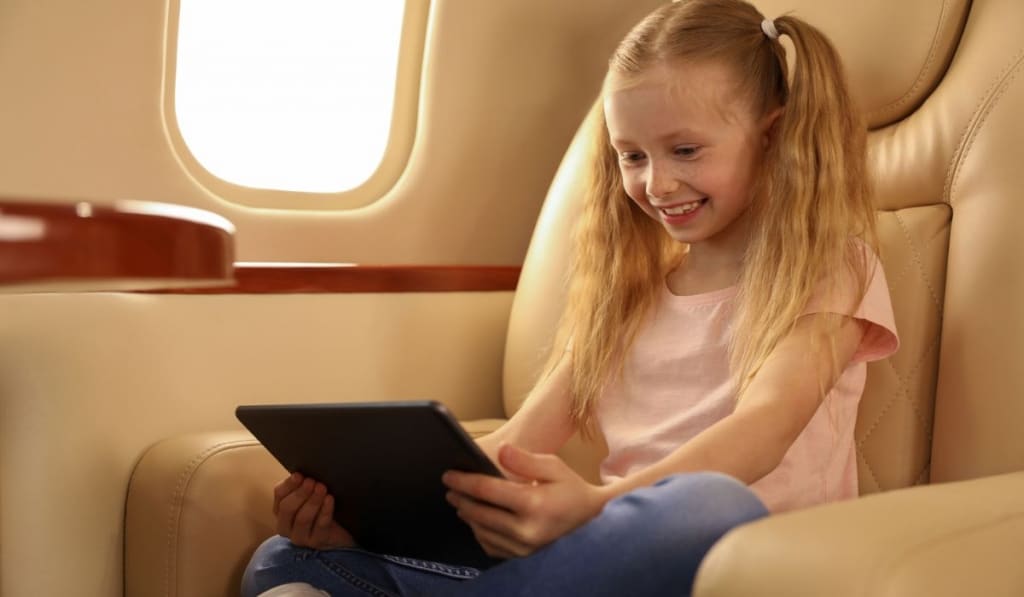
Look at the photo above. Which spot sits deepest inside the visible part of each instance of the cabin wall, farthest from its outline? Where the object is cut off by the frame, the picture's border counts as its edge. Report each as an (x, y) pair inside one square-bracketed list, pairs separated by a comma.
[(506, 83), (88, 381)]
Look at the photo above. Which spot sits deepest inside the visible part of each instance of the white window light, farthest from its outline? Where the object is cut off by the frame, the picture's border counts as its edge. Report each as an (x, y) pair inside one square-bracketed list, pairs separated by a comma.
[(292, 95)]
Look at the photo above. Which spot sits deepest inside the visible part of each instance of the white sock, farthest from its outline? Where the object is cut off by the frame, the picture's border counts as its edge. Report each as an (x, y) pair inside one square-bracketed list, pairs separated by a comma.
[(294, 589)]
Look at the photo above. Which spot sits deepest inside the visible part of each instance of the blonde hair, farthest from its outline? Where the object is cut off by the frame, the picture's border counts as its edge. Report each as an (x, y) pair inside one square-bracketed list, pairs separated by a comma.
[(810, 202)]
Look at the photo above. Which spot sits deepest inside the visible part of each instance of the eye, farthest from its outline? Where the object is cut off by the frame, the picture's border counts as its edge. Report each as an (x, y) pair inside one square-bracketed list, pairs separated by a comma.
[(631, 157), (687, 151)]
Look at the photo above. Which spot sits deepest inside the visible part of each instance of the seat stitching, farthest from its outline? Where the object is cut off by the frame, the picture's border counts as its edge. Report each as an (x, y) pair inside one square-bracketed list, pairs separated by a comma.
[(905, 383), (902, 382), (178, 497), (919, 416), (903, 272), (909, 265), (932, 52), (902, 388), (871, 472), (885, 408), (928, 243), (974, 124), (920, 479), (1005, 85), (916, 257)]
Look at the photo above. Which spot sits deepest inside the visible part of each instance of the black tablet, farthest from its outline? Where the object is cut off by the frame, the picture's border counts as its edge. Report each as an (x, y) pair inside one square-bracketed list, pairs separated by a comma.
[(383, 463)]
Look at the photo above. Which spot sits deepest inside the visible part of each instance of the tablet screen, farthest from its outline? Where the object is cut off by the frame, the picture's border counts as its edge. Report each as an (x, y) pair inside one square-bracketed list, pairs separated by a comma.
[(383, 463)]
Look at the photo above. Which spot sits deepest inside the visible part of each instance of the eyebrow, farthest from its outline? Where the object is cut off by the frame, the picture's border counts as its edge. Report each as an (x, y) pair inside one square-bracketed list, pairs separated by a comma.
[(684, 132)]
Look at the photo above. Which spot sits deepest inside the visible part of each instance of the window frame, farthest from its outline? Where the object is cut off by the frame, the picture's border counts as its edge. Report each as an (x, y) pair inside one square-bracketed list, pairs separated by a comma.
[(396, 154)]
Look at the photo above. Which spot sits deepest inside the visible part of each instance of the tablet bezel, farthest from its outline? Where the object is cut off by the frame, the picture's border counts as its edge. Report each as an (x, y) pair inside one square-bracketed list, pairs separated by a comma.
[(383, 463)]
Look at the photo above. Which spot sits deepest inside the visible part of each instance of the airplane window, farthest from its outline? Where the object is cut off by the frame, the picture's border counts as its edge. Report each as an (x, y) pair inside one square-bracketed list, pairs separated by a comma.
[(292, 95)]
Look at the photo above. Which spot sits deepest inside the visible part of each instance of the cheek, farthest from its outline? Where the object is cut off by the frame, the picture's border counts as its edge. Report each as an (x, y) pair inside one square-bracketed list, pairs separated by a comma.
[(634, 187), (637, 193), (726, 180), (748, 164), (640, 200)]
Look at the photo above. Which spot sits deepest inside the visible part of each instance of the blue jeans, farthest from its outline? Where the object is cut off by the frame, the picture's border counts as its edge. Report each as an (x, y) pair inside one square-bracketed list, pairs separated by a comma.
[(647, 542)]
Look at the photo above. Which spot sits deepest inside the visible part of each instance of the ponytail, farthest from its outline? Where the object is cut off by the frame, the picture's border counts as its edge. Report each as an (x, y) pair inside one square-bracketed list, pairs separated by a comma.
[(814, 200)]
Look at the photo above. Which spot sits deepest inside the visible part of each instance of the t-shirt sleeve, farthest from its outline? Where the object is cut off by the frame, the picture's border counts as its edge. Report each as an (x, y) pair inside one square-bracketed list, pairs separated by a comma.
[(880, 338)]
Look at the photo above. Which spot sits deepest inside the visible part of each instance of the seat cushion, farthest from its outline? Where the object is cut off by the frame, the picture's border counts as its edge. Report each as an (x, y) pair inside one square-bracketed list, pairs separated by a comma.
[(198, 506)]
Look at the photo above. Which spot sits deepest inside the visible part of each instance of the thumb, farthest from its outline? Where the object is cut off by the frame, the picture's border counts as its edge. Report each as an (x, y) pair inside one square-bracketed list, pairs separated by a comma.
[(529, 465)]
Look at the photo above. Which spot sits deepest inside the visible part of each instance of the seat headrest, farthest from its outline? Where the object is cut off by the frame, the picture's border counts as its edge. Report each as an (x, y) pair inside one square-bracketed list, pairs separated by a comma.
[(895, 53)]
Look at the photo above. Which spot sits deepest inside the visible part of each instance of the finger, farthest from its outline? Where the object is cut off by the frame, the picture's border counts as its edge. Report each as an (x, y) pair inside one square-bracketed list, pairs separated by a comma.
[(289, 507), (530, 465), (483, 514), (282, 489), (305, 517), (340, 537), (500, 546), (485, 488), (337, 535), (324, 524), (492, 549)]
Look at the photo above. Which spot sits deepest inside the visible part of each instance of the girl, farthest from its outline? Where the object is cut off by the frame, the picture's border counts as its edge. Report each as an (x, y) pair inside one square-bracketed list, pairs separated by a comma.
[(725, 298)]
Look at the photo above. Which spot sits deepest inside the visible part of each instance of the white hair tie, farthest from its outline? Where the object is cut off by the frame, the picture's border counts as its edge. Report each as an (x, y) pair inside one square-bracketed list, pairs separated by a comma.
[(768, 26)]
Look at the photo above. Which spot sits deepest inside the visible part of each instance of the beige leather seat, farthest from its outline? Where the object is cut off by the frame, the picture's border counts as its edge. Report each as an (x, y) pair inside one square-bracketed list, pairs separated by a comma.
[(939, 441)]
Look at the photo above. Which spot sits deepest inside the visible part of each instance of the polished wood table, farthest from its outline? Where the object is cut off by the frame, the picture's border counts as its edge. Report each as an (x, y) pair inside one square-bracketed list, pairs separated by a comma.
[(62, 246), (48, 246)]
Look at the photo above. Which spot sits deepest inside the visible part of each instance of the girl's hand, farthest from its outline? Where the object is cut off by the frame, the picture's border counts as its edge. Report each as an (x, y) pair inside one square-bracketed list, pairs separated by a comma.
[(514, 518), (305, 514)]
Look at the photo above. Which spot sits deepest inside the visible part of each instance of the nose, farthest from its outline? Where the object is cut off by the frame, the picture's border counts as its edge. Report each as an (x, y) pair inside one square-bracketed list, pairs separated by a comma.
[(661, 181)]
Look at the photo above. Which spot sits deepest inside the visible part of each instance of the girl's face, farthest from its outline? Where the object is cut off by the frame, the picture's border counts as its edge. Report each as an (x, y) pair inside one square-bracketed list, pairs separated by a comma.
[(689, 149)]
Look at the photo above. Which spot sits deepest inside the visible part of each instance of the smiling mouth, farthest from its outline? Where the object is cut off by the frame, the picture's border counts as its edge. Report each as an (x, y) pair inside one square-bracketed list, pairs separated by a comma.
[(684, 208)]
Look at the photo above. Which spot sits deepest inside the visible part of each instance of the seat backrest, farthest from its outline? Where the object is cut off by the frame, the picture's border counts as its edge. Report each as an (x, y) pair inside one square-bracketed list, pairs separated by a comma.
[(940, 88)]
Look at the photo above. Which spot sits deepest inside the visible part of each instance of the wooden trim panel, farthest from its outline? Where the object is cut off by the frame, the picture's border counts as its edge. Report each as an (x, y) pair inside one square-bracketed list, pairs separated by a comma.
[(121, 245), (344, 278), (153, 247)]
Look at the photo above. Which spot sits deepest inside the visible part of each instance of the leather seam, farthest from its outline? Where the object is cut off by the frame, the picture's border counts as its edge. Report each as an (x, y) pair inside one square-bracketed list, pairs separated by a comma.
[(876, 584), (980, 114), (902, 390), (903, 384), (918, 81), (927, 245), (1005, 85), (871, 471), (915, 255), (178, 498)]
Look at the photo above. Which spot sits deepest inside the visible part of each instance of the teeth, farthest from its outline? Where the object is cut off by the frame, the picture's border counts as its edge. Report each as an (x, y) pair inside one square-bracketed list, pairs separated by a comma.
[(679, 210)]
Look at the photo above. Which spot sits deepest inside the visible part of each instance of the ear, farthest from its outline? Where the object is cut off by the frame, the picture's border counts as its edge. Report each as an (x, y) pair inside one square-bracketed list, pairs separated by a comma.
[(768, 128)]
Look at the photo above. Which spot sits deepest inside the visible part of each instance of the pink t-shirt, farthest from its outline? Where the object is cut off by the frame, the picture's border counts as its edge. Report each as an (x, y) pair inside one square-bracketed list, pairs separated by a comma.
[(676, 383)]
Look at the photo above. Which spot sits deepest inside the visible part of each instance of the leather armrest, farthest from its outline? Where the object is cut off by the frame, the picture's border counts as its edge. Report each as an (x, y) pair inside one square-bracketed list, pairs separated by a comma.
[(198, 506), (945, 540)]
